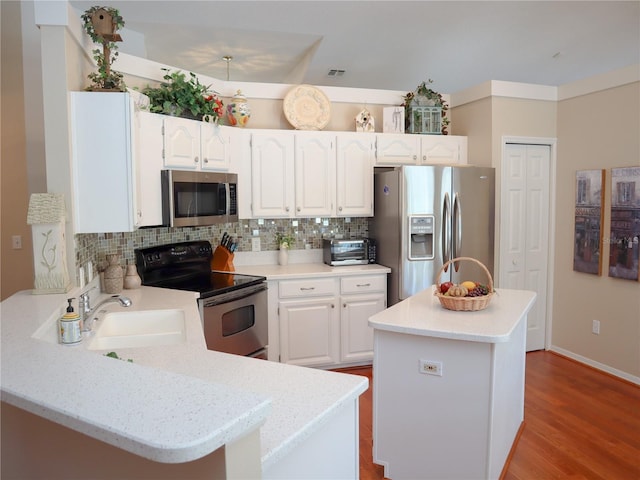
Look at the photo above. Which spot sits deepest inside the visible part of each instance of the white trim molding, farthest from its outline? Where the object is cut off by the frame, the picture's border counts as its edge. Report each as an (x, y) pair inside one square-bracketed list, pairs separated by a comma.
[(597, 365), (605, 81)]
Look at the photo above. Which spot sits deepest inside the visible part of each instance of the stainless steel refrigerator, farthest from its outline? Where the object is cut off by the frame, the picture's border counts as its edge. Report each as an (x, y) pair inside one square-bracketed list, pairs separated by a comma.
[(427, 215)]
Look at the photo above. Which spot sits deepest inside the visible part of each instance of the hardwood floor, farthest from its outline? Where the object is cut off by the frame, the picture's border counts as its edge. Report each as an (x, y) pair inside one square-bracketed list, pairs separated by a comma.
[(580, 423)]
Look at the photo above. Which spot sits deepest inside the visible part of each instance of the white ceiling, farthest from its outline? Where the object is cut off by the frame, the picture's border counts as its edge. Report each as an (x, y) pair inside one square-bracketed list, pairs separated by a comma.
[(391, 45)]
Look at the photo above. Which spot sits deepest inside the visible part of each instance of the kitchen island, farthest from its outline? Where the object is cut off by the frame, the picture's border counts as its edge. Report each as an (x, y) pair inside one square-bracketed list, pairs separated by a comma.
[(175, 411), (448, 393)]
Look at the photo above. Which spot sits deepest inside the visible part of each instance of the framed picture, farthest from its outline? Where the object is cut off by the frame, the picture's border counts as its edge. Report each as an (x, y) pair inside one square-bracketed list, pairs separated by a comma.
[(625, 223), (393, 120), (587, 245)]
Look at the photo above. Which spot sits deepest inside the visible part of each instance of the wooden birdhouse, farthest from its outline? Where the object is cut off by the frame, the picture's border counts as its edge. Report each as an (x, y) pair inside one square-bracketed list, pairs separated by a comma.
[(105, 26)]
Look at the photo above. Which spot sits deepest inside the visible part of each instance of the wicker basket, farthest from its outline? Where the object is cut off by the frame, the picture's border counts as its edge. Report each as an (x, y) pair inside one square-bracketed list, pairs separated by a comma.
[(464, 304)]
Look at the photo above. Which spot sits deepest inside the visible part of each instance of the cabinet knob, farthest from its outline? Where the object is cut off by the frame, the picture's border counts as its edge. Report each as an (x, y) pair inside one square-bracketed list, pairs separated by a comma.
[(415, 157), (196, 160), (286, 209), (333, 306), (298, 209), (340, 209), (344, 305), (205, 160), (424, 158)]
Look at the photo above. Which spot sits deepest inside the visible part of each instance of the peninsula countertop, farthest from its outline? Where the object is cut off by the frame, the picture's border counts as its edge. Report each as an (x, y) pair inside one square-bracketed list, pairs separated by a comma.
[(423, 315), (103, 397)]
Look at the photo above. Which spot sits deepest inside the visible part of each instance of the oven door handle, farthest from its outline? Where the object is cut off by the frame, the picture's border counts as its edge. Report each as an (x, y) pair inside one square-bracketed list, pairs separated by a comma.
[(233, 295)]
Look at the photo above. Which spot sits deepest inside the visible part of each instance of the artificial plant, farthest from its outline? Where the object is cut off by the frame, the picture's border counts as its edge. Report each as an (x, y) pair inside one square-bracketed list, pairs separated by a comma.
[(183, 97), (104, 78)]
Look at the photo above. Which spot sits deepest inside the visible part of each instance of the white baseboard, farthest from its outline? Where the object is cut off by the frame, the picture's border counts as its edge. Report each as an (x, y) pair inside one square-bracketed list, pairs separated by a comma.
[(597, 365)]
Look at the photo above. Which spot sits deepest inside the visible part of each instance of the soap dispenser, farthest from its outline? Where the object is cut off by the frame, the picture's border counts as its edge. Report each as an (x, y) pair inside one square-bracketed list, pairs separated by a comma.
[(70, 328)]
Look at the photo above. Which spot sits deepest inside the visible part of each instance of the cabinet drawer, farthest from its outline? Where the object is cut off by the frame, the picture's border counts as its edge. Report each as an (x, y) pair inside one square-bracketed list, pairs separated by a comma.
[(369, 283), (310, 287)]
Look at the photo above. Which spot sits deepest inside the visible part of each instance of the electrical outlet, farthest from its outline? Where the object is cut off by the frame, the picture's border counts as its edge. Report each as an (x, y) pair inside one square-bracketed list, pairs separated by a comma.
[(430, 367), (255, 244), (595, 327), (16, 242)]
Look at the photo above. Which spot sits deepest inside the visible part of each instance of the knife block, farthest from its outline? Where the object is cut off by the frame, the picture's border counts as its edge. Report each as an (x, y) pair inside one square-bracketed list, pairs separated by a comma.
[(222, 260)]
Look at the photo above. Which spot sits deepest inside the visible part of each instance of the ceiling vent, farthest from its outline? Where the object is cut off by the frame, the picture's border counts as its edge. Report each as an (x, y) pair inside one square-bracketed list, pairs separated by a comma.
[(335, 73)]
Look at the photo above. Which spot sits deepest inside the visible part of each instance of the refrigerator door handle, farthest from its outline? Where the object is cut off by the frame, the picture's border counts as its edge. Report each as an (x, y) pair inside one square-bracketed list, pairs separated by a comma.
[(457, 229), (446, 239)]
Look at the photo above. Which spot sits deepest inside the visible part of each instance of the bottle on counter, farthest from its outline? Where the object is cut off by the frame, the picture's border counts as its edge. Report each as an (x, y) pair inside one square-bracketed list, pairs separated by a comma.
[(70, 326)]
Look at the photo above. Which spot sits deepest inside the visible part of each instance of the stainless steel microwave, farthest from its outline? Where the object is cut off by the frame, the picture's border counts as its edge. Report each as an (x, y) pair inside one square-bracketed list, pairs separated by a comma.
[(192, 199)]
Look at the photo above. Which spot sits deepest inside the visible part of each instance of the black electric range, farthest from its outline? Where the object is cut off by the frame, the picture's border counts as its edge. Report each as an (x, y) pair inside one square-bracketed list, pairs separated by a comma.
[(187, 266)]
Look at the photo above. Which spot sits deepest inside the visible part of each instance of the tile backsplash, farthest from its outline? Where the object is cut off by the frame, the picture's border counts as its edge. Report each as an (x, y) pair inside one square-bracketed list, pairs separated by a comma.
[(307, 231)]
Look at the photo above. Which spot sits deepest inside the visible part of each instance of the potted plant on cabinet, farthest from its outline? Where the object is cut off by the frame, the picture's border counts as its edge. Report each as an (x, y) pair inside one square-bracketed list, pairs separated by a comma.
[(184, 97), (102, 24), (426, 111)]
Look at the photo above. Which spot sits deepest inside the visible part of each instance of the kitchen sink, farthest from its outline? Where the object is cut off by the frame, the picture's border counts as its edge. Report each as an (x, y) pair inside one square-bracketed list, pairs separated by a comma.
[(146, 328)]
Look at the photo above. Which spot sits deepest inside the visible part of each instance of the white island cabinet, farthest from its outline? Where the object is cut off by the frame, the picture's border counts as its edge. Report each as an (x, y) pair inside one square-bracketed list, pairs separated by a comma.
[(448, 396)]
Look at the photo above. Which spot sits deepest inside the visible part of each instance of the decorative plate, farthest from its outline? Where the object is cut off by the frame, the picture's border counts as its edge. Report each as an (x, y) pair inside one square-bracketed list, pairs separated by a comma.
[(307, 108)]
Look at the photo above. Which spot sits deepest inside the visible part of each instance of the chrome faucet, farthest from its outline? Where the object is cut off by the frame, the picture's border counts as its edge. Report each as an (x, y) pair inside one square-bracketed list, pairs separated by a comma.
[(86, 312)]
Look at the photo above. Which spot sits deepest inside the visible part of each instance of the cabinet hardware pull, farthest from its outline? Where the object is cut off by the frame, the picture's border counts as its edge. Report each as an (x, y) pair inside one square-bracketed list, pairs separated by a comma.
[(363, 284), (415, 157), (298, 208), (333, 306), (206, 160), (307, 288), (344, 305), (196, 160), (340, 208), (286, 209)]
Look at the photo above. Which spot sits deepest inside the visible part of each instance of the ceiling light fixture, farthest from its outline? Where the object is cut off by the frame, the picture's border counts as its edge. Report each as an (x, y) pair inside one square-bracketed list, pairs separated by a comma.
[(227, 58)]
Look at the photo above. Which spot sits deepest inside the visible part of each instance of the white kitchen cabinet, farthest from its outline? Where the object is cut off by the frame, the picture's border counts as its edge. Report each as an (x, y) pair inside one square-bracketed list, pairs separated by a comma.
[(323, 321), (194, 145), (112, 150), (272, 177), (315, 167), (310, 174), (309, 322), (361, 297), (354, 174), (407, 149)]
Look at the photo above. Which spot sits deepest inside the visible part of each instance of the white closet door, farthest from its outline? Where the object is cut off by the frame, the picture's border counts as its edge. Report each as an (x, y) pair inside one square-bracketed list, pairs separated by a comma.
[(525, 230)]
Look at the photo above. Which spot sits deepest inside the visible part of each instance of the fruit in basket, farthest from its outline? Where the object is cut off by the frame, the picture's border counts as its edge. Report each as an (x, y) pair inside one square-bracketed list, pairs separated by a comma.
[(445, 286), (478, 291), (457, 291), (469, 285)]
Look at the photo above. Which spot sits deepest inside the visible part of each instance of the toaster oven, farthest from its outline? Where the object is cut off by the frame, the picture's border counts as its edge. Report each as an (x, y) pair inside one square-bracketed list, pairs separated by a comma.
[(348, 252)]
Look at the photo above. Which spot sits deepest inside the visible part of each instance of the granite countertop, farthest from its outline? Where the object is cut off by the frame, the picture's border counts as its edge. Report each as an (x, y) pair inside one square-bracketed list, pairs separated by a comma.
[(39, 375), (423, 315)]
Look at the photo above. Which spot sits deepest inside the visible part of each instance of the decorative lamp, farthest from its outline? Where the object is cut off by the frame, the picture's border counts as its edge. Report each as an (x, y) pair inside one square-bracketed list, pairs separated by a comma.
[(46, 216)]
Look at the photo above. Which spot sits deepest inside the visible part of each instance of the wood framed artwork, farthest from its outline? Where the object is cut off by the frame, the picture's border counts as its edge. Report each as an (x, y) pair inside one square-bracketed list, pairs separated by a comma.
[(625, 223), (587, 246)]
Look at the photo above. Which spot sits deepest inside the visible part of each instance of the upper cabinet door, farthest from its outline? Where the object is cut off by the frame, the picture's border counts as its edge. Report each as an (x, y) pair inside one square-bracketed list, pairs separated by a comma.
[(397, 149), (105, 195), (181, 143), (214, 147), (149, 165), (354, 174), (443, 149), (272, 175), (314, 174)]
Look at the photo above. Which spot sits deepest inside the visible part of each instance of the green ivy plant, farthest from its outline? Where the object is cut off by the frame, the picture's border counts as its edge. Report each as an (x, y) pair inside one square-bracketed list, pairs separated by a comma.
[(424, 91), (104, 78), (183, 96)]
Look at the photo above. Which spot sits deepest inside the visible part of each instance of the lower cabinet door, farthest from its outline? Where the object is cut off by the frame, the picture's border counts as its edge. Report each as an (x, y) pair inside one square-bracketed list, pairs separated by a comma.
[(356, 334), (309, 332)]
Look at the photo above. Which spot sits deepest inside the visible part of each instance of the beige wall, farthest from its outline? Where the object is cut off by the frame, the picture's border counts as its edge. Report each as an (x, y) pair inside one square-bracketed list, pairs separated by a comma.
[(596, 131), (16, 266), (474, 121)]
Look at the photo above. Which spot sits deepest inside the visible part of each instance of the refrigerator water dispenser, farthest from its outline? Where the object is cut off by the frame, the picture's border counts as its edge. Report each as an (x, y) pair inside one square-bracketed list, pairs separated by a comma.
[(421, 237)]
